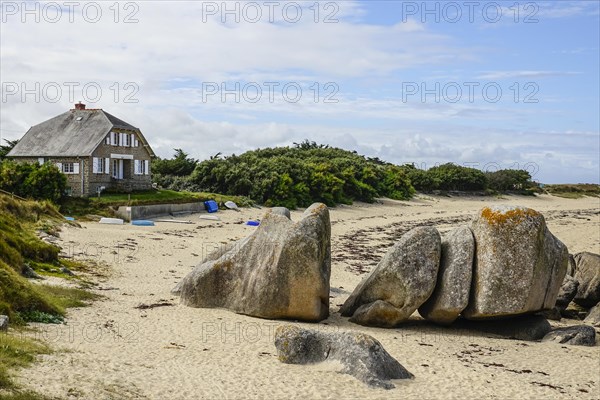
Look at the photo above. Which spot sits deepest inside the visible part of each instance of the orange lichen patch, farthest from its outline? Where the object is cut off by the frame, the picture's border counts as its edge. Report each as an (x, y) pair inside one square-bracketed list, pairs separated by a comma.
[(224, 265), (515, 216)]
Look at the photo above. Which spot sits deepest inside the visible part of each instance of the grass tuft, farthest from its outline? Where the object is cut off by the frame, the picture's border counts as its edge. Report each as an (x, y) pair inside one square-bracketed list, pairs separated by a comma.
[(17, 352)]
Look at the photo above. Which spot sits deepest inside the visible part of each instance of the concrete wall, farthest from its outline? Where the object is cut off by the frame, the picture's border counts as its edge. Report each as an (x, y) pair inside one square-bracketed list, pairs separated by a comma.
[(129, 213)]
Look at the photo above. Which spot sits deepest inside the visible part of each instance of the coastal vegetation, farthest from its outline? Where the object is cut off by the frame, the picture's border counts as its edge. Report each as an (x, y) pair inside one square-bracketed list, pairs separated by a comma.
[(293, 176), (22, 252), (308, 172)]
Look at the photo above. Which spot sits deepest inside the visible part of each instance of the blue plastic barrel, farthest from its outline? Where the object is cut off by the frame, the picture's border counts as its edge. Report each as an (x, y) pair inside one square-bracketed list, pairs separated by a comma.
[(211, 206)]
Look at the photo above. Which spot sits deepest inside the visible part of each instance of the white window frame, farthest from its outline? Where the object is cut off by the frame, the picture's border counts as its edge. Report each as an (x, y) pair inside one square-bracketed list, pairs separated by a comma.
[(70, 168), (141, 167), (98, 165)]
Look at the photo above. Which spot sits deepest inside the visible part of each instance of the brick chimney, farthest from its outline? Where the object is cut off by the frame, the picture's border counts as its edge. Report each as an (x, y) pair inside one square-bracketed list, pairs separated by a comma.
[(80, 106)]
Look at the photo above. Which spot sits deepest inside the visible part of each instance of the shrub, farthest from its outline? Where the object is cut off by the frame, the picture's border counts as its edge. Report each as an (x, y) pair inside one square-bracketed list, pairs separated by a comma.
[(300, 175), (179, 165), (40, 182), (509, 179)]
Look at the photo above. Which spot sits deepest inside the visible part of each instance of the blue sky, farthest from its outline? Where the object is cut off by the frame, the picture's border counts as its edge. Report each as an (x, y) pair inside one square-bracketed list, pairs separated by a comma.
[(374, 62)]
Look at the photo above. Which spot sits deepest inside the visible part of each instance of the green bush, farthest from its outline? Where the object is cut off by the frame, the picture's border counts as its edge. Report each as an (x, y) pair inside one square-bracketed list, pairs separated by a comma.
[(509, 180), (32, 180), (300, 175), (450, 176), (179, 165), (309, 172)]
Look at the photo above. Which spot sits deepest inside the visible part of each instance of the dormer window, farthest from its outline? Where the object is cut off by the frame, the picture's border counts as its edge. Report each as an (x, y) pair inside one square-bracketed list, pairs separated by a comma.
[(114, 138)]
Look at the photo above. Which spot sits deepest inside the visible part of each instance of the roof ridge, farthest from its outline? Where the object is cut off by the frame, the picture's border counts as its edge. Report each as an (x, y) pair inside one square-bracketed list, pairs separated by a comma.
[(117, 122)]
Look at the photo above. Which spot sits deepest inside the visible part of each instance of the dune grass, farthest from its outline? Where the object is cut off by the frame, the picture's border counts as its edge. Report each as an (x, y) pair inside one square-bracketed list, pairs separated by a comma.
[(573, 191), (17, 352), (22, 300)]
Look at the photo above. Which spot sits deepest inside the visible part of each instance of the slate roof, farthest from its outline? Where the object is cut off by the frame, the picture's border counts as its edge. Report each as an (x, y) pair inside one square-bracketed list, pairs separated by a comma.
[(66, 136)]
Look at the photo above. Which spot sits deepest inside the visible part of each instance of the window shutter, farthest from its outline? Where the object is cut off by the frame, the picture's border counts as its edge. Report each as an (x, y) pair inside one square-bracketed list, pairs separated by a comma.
[(59, 166), (136, 165), (132, 140), (95, 165), (113, 138), (147, 167), (107, 165), (76, 168), (107, 141)]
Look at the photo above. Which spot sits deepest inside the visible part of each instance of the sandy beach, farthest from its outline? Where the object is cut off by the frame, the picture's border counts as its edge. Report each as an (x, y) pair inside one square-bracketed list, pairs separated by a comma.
[(139, 343)]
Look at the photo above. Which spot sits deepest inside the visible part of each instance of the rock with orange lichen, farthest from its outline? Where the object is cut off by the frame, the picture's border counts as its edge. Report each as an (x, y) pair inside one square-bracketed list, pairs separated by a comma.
[(281, 271), (519, 265)]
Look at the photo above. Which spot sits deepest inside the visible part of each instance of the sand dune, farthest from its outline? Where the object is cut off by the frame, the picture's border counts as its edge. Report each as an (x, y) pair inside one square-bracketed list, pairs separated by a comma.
[(116, 349)]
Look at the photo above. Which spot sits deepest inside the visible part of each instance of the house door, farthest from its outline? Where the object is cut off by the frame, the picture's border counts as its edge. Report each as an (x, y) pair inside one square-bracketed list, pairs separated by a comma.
[(117, 169), (126, 169)]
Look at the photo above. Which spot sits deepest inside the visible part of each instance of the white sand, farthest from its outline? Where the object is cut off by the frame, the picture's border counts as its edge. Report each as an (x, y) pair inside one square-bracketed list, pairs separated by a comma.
[(112, 350)]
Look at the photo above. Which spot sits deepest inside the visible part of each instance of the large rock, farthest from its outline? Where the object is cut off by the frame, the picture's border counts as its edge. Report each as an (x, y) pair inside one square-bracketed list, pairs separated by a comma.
[(400, 283), (282, 211), (451, 294), (524, 327), (567, 292), (587, 273), (361, 356), (281, 271), (593, 318), (572, 266), (578, 335), (519, 265)]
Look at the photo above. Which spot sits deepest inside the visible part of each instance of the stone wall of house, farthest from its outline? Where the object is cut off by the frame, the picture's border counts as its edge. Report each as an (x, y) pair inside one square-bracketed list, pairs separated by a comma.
[(131, 181)]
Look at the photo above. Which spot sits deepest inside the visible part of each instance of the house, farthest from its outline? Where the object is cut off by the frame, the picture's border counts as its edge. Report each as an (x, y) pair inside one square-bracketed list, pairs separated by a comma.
[(94, 149)]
